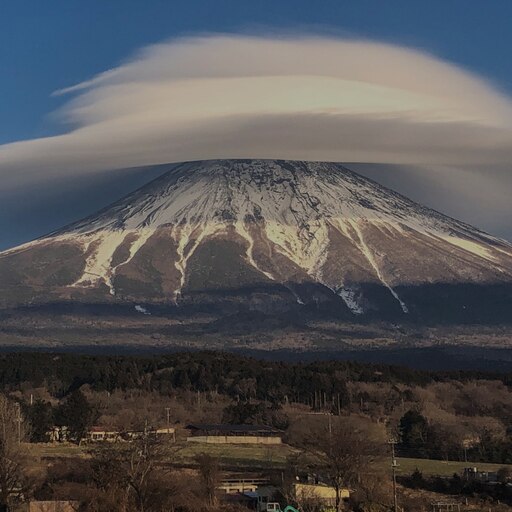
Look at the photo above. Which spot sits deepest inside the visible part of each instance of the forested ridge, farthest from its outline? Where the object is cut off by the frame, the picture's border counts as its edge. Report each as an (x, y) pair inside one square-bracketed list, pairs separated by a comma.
[(211, 371)]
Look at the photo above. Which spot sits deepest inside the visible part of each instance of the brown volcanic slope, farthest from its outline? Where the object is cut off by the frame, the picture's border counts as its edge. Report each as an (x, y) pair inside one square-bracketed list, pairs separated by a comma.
[(298, 238)]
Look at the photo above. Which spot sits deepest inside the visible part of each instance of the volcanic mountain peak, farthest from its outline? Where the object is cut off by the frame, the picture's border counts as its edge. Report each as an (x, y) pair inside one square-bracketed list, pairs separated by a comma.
[(285, 192), (246, 223)]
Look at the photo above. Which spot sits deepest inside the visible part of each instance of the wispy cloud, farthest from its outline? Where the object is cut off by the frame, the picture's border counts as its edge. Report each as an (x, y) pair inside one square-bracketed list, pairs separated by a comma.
[(233, 96)]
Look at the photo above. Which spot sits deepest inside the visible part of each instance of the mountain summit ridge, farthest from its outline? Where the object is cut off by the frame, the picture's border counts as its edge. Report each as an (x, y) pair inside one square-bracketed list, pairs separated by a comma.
[(262, 234)]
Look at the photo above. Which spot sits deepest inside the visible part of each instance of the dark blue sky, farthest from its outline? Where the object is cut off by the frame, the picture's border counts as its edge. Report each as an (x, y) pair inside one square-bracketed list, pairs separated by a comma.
[(47, 45)]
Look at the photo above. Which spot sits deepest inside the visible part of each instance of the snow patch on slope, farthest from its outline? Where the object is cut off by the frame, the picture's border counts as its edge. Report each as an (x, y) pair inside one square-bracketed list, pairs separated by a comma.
[(188, 238), (363, 247), (305, 247), (350, 298), (469, 246), (244, 233), (98, 265), (142, 237)]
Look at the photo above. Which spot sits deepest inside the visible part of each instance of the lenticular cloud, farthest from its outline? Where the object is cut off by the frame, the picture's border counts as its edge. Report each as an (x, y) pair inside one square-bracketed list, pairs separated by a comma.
[(310, 98)]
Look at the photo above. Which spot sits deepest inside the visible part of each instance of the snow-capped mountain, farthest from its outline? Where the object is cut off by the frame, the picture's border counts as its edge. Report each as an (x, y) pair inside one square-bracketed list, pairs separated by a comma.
[(271, 235)]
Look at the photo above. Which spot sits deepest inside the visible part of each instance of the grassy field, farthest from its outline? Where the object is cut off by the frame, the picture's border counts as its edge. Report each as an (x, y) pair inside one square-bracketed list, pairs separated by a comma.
[(238, 456), (57, 450), (257, 457)]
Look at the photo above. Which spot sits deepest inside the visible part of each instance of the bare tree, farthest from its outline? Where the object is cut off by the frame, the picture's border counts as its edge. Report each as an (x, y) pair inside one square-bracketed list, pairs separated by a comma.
[(308, 501), (133, 478), (210, 474), (142, 465), (108, 472), (341, 451), (17, 469), (373, 491)]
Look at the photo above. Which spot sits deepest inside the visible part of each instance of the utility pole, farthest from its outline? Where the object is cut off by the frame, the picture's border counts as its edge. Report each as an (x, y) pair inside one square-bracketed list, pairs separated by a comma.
[(394, 465), (168, 411), (18, 421)]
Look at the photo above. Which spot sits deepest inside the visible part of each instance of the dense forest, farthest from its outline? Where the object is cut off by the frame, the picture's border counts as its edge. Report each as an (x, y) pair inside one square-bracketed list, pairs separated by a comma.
[(225, 373)]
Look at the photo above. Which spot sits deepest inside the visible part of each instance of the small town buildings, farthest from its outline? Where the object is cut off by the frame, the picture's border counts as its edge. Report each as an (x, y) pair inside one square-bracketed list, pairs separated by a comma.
[(233, 434), (263, 498), (101, 433), (475, 474), (105, 434)]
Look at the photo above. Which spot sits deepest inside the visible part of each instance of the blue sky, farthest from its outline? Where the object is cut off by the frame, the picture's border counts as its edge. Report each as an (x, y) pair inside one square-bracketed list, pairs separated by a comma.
[(45, 46)]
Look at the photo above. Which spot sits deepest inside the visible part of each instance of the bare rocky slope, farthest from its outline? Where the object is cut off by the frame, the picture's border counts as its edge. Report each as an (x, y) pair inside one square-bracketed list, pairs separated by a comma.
[(301, 238)]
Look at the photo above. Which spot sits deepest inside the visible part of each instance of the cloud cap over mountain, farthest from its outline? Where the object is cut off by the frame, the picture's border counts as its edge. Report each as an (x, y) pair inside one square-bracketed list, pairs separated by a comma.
[(308, 97)]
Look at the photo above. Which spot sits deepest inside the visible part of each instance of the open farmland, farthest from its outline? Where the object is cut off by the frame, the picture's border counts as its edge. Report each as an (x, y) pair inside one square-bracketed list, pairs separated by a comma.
[(254, 457)]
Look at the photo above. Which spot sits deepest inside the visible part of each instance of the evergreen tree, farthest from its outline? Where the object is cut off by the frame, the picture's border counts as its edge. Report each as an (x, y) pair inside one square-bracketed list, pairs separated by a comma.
[(244, 412), (414, 431), (77, 414), (41, 419)]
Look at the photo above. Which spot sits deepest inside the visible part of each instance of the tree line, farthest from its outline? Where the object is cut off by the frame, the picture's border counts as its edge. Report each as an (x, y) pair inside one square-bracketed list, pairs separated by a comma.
[(318, 384)]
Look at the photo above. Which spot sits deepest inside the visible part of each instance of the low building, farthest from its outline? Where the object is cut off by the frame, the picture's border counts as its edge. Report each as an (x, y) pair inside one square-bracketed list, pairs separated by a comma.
[(96, 434), (241, 484), (475, 474), (58, 434), (233, 434), (167, 433), (445, 506), (322, 493), (253, 500)]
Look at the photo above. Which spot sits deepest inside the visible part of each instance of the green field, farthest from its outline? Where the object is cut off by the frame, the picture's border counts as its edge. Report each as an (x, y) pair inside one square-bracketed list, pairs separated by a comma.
[(256, 457)]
